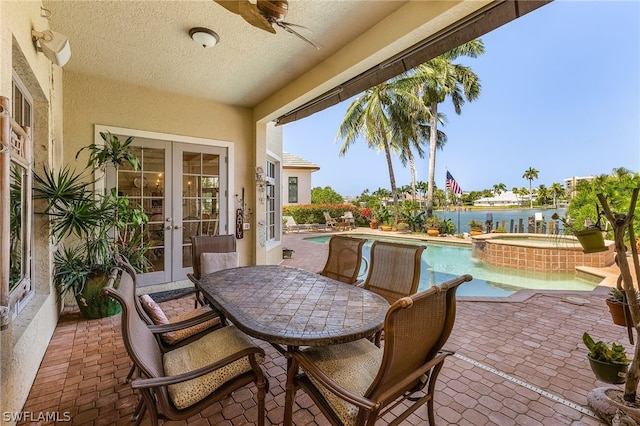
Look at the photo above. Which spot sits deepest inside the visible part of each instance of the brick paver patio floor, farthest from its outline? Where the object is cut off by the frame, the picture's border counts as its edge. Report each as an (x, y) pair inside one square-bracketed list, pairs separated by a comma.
[(518, 362)]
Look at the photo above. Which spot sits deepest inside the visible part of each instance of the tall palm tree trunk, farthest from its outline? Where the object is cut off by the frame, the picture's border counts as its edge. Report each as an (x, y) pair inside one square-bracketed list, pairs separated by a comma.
[(432, 156), (530, 195), (412, 167), (392, 178)]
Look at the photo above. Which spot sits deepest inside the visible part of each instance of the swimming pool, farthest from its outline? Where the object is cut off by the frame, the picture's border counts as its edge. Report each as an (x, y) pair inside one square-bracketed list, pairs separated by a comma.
[(442, 262)]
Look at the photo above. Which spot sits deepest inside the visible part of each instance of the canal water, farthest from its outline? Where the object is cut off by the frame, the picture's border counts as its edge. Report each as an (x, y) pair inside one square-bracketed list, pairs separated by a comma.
[(461, 218)]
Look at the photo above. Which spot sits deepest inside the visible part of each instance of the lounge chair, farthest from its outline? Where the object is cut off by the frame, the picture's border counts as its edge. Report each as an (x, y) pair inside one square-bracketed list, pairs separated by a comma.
[(331, 222), (290, 225), (348, 219)]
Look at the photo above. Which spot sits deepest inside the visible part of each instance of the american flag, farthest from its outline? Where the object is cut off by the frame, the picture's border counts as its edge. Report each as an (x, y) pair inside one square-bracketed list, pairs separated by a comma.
[(452, 184)]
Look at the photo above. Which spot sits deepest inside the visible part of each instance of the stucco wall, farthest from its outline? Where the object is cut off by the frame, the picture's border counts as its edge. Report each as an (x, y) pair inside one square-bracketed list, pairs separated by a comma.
[(90, 100), (304, 186), (23, 343)]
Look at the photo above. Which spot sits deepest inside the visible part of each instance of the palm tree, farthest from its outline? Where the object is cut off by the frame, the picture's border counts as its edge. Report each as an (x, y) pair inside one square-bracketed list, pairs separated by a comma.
[(530, 174), (372, 115), (410, 126), (499, 188), (557, 191), (442, 79), (516, 192), (422, 187), (367, 118), (543, 195)]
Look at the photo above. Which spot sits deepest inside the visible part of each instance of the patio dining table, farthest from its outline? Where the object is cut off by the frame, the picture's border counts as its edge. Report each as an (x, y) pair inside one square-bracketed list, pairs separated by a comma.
[(292, 307)]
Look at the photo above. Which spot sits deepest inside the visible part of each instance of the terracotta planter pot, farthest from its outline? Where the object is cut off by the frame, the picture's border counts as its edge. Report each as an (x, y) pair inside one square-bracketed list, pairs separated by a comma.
[(433, 232), (373, 224), (617, 311), (385, 228), (475, 232)]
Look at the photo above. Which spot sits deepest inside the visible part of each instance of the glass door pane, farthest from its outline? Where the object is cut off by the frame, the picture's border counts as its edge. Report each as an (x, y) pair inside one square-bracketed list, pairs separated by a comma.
[(146, 189), (200, 204), (178, 186)]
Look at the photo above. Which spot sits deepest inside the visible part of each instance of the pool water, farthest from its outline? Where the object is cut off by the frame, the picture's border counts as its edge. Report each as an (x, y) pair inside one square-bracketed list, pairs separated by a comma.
[(441, 262)]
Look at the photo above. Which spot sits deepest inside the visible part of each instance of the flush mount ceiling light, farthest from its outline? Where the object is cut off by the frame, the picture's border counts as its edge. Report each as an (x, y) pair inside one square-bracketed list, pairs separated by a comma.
[(204, 36)]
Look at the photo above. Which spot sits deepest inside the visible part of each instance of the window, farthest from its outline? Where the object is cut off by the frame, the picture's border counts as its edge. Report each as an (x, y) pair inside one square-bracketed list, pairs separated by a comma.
[(293, 189), (19, 288), (271, 196)]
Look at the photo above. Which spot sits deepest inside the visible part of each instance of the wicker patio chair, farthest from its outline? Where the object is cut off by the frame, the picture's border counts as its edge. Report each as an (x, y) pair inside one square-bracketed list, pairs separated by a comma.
[(187, 327), (394, 269), (225, 256), (357, 383), (345, 259), (187, 380), (211, 244)]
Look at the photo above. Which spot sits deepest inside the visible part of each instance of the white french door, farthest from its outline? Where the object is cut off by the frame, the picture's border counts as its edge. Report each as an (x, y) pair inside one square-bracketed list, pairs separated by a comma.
[(179, 186)]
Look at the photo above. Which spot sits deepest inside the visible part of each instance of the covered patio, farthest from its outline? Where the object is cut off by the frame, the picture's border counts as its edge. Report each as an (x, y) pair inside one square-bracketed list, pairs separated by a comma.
[(519, 361)]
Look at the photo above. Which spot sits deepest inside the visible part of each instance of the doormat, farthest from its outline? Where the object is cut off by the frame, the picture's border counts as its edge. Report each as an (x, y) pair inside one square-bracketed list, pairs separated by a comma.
[(163, 296)]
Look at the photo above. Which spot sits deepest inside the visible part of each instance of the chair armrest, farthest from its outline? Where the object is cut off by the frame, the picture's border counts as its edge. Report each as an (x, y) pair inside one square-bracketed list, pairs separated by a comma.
[(415, 375), (193, 278), (311, 369), (194, 374)]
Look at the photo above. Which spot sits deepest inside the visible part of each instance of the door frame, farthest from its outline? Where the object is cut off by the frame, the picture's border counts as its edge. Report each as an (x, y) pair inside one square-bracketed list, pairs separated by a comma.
[(168, 137)]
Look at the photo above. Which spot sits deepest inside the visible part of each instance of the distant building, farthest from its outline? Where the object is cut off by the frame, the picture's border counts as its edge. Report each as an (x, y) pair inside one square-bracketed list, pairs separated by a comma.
[(504, 199), (296, 175), (571, 183)]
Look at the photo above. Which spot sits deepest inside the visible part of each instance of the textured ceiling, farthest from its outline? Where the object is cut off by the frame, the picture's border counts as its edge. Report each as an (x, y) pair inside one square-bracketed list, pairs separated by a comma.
[(146, 43)]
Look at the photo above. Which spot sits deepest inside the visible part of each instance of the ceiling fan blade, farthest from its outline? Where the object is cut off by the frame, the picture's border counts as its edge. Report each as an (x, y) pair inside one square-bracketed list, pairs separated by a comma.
[(231, 6), (287, 27), (250, 13)]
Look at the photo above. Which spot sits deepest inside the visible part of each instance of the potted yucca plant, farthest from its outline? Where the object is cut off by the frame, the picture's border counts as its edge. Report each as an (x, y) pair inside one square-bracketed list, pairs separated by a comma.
[(90, 228)]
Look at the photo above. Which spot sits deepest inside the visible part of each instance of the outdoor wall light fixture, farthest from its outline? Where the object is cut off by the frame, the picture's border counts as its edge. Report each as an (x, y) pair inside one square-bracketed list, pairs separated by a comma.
[(261, 183), (55, 46), (204, 36)]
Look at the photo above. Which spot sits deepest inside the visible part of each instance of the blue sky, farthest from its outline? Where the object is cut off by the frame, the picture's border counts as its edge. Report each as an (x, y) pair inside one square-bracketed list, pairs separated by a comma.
[(560, 93)]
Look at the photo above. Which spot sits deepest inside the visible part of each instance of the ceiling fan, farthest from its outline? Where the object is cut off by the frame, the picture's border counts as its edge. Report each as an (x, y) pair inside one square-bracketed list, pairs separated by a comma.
[(264, 14)]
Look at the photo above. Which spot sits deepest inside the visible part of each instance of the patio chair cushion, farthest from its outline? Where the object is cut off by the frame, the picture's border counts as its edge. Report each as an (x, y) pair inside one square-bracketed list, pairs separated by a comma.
[(158, 316), (152, 309), (173, 337), (211, 348), (353, 365), (212, 262)]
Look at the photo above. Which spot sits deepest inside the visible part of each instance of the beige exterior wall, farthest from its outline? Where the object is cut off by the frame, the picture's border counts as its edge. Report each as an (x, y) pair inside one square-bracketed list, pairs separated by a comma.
[(24, 341), (87, 102), (304, 185), (90, 101)]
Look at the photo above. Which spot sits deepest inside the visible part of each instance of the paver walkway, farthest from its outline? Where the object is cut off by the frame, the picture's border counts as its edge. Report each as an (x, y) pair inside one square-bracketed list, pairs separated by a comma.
[(517, 363)]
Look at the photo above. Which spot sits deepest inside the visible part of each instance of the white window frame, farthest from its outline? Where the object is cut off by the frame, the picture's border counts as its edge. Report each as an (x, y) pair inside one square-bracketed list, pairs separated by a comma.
[(21, 154), (273, 213)]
